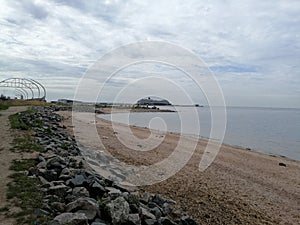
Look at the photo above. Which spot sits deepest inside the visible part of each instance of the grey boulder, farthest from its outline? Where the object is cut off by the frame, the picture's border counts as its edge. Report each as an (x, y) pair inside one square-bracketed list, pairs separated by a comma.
[(118, 210), (88, 206), (70, 218)]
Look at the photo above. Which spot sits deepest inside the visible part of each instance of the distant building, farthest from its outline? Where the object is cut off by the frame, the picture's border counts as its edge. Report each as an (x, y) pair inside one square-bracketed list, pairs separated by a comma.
[(149, 101), (67, 101)]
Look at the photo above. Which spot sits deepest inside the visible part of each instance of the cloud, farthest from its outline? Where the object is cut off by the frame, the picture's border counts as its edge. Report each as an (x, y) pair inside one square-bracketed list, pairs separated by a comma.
[(32, 8), (235, 69), (251, 43)]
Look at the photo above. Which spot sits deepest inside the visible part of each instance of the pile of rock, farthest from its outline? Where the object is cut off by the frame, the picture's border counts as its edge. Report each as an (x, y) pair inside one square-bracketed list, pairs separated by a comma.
[(75, 194)]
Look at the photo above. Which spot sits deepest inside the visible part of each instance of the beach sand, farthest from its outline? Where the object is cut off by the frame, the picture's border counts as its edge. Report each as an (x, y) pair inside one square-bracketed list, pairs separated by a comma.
[(239, 187)]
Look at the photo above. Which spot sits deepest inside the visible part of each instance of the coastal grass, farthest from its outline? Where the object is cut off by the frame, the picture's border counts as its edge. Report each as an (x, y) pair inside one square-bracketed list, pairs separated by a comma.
[(24, 193), (16, 121), (134, 199), (22, 165), (4, 107), (26, 143)]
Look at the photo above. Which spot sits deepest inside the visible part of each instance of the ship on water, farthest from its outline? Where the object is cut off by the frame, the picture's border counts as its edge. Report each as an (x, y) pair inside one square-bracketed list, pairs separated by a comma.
[(152, 101)]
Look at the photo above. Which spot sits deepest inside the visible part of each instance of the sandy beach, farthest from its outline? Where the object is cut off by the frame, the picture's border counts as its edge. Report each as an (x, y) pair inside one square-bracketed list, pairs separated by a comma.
[(239, 187)]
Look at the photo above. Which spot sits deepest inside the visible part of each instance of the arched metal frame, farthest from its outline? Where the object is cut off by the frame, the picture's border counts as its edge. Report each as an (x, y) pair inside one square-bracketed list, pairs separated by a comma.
[(21, 93), (24, 91), (28, 88)]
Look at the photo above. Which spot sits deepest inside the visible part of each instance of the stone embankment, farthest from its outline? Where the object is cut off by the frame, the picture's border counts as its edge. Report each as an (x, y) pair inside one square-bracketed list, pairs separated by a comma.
[(75, 194)]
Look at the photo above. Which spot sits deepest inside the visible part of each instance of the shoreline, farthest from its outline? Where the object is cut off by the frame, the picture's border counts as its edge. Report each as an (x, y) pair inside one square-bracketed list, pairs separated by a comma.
[(243, 183), (201, 138), (108, 110), (239, 187)]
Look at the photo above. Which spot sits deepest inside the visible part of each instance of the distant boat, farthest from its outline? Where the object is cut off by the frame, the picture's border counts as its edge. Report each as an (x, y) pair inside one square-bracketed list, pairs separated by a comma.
[(197, 105), (150, 101)]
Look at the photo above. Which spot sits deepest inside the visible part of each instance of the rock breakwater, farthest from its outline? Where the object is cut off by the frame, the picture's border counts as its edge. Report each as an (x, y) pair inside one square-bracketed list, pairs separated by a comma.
[(77, 195)]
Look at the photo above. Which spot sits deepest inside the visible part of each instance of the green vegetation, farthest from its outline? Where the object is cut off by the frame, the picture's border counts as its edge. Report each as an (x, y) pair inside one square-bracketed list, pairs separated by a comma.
[(24, 193), (103, 202), (29, 111), (21, 165), (4, 107), (26, 144), (133, 199), (16, 121)]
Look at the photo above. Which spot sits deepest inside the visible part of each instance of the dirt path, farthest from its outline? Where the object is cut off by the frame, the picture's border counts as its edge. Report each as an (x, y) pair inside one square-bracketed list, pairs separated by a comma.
[(6, 156), (240, 187)]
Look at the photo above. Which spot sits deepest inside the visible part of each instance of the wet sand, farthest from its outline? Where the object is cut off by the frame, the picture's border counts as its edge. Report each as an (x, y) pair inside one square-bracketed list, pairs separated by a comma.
[(239, 187)]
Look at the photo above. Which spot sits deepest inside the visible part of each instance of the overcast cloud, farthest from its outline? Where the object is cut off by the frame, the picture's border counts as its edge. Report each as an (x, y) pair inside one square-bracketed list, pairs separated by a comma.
[(252, 46)]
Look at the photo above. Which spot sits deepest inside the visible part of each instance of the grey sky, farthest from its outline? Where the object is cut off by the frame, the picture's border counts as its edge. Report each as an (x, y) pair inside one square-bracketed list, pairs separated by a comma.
[(252, 46)]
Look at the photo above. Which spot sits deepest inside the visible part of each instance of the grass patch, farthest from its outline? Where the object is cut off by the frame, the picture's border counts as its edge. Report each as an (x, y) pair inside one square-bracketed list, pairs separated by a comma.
[(25, 189), (26, 144), (24, 193), (21, 165), (133, 199), (17, 121), (103, 202), (4, 107)]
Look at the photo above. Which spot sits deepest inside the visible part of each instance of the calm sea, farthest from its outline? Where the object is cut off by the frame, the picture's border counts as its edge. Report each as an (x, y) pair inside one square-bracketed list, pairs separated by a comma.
[(273, 131)]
